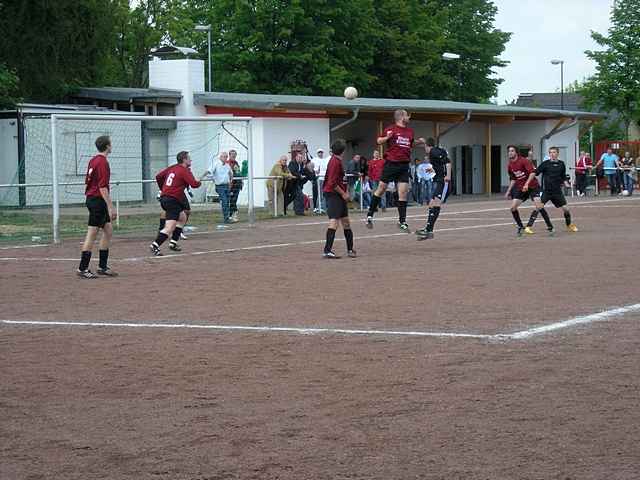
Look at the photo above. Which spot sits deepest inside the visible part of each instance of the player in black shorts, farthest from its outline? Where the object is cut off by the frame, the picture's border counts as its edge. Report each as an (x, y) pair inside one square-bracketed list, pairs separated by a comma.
[(523, 187), (439, 158), (336, 196), (554, 177)]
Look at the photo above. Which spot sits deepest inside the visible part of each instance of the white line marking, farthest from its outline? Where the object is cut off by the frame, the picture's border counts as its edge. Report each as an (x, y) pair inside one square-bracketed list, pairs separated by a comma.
[(13, 247), (300, 330), (522, 335), (595, 317)]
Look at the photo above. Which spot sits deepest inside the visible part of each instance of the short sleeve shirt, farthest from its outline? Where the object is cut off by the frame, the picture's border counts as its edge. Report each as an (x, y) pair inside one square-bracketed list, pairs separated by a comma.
[(400, 144), (98, 176), (519, 170)]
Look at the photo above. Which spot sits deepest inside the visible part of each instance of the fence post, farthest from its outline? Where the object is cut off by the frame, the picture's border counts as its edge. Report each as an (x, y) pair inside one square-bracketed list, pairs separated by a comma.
[(117, 185), (54, 173), (275, 197), (250, 212)]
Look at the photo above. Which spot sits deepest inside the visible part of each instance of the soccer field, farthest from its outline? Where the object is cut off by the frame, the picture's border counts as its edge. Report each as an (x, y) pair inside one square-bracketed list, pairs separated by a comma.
[(474, 355)]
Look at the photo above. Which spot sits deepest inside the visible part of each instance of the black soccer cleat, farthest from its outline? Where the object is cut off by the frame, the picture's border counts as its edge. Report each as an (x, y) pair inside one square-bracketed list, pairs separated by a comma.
[(106, 272), (175, 247), (155, 250), (86, 274), (520, 231), (352, 254), (404, 227), (330, 255), (424, 235)]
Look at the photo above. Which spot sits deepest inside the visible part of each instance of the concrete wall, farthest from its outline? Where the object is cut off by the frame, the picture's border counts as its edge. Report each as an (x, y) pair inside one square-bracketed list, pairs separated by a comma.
[(185, 75)]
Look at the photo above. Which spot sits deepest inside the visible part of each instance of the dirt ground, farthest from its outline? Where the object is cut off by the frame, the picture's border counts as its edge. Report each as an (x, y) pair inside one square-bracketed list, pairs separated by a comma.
[(177, 403)]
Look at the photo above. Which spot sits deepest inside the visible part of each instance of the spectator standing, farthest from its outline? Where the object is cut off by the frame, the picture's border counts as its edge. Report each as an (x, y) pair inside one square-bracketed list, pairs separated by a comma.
[(236, 184), (297, 170), (375, 166), (425, 173), (320, 163), (628, 166), (583, 167), (353, 170), (281, 171), (310, 174), (220, 171), (610, 163)]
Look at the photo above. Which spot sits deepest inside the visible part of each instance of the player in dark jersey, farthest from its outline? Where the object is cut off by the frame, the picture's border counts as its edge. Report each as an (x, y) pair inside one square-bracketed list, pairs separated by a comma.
[(399, 139), (336, 196), (554, 177), (441, 163), (522, 188), (101, 211), (172, 181)]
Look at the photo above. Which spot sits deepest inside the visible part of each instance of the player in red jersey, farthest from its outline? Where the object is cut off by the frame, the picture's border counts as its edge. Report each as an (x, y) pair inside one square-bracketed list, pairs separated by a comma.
[(172, 182), (336, 196), (523, 187), (399, 139), (101, 211)]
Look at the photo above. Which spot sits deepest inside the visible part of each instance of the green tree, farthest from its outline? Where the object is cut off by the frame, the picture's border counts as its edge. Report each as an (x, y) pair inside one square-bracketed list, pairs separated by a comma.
[(9, 95), (54, 46), (616, 84)]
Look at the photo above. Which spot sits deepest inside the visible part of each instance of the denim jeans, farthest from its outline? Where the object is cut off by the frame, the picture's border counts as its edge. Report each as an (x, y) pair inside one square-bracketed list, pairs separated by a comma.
[(427, 190), (383, 199), (612, 178), (223, 192), (628, 182)]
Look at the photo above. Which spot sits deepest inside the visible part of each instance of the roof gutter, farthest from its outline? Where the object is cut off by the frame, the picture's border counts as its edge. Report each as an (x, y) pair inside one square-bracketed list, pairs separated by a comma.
[(353, 118), (554, 131), (454, 126)]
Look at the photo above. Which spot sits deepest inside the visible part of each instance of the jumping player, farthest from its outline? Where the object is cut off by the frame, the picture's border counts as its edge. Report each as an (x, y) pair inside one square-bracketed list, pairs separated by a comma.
[(522, 188), (336, 197), (441, 163), (172, 181), (101, 211), (554, 177), (399, 139)]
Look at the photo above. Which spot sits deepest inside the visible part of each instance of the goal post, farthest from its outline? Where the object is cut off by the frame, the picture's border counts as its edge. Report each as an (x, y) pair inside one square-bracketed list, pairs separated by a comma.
[(142, 146)]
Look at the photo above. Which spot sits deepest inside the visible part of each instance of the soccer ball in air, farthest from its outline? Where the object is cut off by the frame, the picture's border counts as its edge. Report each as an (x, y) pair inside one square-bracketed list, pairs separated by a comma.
[(350, 93)]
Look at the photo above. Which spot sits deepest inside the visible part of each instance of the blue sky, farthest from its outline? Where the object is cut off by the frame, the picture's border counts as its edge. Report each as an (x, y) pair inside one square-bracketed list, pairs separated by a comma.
[(546, 29)]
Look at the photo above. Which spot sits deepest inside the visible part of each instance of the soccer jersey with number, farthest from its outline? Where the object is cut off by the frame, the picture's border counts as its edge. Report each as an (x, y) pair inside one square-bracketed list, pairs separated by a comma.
[(173, 180), (399, 144), (519, 170), (98, 176)]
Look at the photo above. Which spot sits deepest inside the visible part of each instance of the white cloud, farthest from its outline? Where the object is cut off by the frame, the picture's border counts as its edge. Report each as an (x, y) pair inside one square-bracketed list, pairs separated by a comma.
[(546, 29)]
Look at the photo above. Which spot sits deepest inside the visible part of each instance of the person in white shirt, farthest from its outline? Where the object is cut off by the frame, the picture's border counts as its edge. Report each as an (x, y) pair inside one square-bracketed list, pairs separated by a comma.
[(320, 163), (221, 173), (425, 173)]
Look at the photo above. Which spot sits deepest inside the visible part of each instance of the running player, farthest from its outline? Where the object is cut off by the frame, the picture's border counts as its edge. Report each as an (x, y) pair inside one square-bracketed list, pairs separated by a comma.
[(439, 159), (399, 139), (336, 197), (101, 211), (172, 181), (187, 212), (554, 177), (523, 187)]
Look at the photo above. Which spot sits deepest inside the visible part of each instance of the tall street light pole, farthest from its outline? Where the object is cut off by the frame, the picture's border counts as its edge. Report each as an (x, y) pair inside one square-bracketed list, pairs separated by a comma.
[(450, 57), (207, 28), (561, 63)]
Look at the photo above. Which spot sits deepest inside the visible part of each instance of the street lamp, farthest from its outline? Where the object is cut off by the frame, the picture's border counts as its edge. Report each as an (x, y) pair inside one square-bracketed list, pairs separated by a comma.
[(561, 63), (207, 28), (450, 57)]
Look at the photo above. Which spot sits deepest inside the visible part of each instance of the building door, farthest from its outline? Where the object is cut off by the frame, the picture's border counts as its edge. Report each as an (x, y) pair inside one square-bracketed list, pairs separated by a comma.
[(9, 160), (477, 162), (496, 169)]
